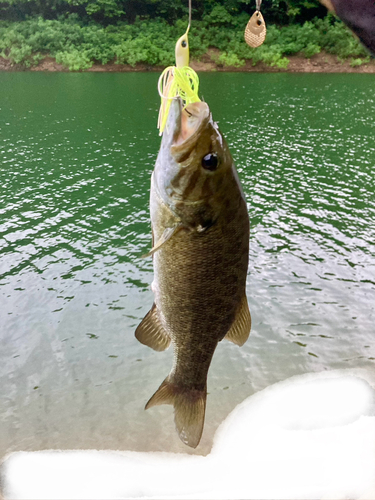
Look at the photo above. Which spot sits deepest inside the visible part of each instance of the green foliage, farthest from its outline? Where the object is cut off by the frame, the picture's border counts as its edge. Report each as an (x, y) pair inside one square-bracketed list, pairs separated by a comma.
[(298, 10), (74, 60), (311, 50), (359, 61), (105, 8), (336, 39), (219, 16), (21, 55), (271, 55), (78, 44), (106, 11), (229, 59), (142, 43), (143, 50)]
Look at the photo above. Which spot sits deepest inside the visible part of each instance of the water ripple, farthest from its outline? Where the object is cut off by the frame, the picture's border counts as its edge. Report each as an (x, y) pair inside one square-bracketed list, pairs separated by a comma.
[(77, 155)]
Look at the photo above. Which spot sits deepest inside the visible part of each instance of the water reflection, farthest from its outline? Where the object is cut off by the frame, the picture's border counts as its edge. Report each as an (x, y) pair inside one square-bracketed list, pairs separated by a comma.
[(76, 161)]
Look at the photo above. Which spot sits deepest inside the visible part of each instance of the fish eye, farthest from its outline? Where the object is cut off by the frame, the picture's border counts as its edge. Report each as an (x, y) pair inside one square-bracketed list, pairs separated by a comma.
[(183, 43), (210, 162)]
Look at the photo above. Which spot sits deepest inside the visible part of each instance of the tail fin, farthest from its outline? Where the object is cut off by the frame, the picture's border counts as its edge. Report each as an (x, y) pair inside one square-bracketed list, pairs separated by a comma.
[(189, 409)]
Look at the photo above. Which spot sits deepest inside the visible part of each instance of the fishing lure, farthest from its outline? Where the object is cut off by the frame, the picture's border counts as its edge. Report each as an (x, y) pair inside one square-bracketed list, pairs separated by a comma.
[(255, 31), (178, 81)]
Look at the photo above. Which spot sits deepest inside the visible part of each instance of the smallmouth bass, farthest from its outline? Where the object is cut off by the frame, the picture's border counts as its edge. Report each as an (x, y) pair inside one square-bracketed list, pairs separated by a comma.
[(200, 230)]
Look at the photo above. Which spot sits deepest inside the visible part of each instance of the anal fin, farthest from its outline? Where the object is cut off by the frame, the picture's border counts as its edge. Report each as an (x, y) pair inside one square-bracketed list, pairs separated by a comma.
[(189, 409), (240, 330), (150, 331)]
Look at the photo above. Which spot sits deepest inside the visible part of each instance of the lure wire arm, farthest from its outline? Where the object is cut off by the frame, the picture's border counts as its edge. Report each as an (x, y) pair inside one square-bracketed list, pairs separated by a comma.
[(178, 81), (258, 3)]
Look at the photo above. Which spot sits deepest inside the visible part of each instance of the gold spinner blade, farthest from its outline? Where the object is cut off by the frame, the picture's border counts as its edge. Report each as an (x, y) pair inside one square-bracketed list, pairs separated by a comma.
[(255, 32)]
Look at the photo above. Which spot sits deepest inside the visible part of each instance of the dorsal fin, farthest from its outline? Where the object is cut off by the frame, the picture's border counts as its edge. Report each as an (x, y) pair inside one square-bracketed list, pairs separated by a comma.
[(240, 330), (150, 331)]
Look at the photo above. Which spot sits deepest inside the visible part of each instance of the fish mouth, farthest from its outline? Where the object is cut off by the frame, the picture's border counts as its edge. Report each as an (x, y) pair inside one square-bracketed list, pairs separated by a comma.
[(192, 118), (189, 121)]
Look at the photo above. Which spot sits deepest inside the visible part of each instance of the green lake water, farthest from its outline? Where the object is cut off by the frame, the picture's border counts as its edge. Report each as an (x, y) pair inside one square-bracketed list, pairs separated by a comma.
[(77, 151)]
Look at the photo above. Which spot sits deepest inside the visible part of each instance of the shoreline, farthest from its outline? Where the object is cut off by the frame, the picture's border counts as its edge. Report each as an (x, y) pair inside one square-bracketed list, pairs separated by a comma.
[(319, 63)]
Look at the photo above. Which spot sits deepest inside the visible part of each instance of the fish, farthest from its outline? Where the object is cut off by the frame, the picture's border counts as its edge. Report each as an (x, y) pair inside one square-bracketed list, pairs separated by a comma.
[(200, 232)]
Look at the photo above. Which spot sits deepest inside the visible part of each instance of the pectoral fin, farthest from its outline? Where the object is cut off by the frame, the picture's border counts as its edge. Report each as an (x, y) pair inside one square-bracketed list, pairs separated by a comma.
[(240, 329), (166, 236), (150, 331)]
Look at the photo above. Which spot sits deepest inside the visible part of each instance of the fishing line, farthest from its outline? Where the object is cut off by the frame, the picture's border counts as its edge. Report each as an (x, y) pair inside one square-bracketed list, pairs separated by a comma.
[(190, 15), (178, 81)]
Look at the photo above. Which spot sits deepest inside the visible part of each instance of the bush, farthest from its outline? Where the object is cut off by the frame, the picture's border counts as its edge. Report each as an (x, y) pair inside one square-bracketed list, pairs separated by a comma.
[(311, 50), (336, 39), (21, 55), (229, 59), (74, 60), (219, 16), (78, 46), (271, 55), (359, 61), (142, 43)]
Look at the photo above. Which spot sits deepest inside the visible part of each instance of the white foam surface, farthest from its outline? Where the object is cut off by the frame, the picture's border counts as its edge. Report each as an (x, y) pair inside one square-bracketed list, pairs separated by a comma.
[(308, 437)]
